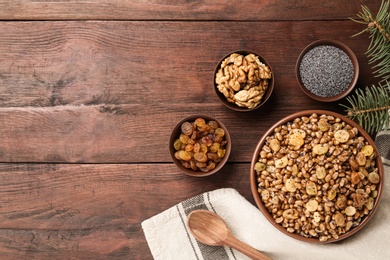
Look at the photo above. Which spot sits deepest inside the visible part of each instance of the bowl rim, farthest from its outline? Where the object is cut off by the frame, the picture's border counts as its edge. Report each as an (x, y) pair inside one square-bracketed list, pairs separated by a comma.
[(253, 176), (264, 99), (173, 137), (350, 54)]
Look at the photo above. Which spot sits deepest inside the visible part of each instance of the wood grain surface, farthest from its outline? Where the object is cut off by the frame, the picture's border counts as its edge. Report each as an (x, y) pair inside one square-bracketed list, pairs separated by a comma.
[(90, 91), (95, 92), (249, 10)]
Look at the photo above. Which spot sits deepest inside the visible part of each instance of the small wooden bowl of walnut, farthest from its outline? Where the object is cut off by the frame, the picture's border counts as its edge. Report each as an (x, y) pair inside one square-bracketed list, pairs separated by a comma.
[(243, 81), (317, 176)]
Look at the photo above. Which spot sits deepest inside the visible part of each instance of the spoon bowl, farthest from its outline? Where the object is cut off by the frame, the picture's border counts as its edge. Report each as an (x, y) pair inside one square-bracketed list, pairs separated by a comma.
[(207, 227), (210, 229)]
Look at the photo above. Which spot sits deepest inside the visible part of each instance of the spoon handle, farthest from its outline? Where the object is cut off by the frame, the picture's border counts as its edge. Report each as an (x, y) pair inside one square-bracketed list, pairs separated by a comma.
[(244, 248)]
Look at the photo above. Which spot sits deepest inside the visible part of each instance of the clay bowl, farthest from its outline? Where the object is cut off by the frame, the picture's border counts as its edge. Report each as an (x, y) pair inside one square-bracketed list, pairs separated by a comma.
[(177, 131), (257, 189), (233, 106), (325, 90)]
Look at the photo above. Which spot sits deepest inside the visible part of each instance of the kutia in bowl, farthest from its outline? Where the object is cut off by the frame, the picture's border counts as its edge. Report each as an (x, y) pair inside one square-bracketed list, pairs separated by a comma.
[(327, 70), (200, 145), (317, 176), (243, 81)]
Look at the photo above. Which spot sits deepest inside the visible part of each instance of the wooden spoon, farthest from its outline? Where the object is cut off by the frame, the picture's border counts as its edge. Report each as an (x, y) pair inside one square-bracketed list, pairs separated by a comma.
[(210, 229)]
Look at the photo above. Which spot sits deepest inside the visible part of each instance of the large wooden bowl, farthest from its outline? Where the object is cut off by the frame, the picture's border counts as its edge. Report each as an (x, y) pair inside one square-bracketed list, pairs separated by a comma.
[(266, 212)]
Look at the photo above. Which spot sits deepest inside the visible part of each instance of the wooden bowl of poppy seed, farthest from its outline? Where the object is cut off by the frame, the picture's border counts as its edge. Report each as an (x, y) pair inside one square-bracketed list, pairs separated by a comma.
[(327, 70)]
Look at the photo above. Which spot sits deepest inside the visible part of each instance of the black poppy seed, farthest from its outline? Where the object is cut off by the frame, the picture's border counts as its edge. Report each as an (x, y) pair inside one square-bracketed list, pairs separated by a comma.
[(326, 70)]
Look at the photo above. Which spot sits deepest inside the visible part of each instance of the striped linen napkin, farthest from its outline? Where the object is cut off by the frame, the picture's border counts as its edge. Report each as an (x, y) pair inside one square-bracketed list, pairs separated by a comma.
[(169, 239)]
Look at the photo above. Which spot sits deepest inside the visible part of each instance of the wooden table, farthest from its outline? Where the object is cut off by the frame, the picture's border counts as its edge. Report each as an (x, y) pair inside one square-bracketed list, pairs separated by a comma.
[(90, 91)]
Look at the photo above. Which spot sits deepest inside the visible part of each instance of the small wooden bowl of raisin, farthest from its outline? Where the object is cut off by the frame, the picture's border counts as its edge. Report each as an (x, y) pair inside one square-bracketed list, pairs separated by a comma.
[(200, 145)]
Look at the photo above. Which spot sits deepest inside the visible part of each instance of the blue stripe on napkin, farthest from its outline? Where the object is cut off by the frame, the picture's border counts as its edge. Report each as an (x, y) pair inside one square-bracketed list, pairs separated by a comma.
[(199, 203)]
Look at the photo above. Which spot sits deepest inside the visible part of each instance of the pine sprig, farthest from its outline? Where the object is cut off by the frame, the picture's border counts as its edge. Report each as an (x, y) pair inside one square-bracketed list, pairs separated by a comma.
[(379, 29), (370, 107)]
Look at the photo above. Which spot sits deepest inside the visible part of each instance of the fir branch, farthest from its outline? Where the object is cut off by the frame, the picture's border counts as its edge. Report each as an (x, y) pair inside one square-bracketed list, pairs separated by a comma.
[(379, 29), (370, 107)]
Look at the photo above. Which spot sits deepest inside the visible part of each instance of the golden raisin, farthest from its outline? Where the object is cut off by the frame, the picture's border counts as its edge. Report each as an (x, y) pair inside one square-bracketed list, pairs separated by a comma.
[(355, 178)]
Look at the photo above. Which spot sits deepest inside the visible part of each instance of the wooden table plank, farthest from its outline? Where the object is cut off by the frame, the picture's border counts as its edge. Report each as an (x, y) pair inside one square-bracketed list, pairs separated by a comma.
[(69, 211), (96, 92), (90, 63), (180, 10)]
